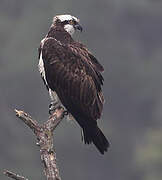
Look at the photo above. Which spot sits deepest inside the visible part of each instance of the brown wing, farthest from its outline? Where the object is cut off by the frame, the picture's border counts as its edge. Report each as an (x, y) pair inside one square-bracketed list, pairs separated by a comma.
[(75, 80), (76, 46)]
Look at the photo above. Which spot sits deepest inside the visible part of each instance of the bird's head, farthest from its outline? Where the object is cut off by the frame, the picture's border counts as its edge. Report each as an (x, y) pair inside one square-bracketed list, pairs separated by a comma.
[(68, 22)]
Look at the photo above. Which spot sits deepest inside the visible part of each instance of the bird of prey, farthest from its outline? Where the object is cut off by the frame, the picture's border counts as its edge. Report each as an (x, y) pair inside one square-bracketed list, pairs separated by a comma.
[(73, 77)]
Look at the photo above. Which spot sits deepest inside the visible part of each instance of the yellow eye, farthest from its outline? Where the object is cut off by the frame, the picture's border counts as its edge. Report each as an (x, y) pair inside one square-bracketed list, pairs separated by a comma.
[(71, 22)]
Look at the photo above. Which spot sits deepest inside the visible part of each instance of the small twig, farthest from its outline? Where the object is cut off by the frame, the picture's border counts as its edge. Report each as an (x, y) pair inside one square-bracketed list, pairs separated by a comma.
[(14, 176), (27, 119), (44, 134)]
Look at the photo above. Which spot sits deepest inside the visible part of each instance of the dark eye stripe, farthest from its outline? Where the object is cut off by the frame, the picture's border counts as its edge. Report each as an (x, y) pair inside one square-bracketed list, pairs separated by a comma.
[(65, 22), (74, 22), (68, 22)]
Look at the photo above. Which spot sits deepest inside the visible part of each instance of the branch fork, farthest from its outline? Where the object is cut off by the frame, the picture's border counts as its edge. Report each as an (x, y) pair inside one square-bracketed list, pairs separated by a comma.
[(44, 135)]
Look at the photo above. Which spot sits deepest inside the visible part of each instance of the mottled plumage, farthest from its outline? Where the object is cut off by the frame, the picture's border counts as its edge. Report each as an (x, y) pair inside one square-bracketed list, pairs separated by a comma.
[(69, 69)]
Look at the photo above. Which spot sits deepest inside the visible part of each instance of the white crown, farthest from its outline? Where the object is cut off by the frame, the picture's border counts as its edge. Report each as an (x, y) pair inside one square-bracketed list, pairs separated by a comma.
[(65, 17)]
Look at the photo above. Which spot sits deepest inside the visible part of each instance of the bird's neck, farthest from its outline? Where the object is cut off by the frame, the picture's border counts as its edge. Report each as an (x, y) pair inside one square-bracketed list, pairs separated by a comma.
[(60, 34)]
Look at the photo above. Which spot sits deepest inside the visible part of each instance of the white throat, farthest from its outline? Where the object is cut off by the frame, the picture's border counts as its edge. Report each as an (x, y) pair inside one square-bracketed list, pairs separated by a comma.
[(69, 28)]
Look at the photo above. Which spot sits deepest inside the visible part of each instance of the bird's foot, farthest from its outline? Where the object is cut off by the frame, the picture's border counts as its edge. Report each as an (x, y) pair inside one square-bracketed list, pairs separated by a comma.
[(66, 113), (53, 106)]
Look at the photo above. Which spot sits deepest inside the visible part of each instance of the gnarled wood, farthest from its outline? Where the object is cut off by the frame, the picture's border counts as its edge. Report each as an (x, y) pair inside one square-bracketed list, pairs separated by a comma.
[(44, 135)]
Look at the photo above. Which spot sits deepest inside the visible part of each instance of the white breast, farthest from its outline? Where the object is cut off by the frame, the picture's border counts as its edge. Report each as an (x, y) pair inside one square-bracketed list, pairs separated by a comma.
[(41, 69), (52, 94)]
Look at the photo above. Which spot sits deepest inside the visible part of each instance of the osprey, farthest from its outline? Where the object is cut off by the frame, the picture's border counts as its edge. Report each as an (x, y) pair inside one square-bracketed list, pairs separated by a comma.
[(73, 77)]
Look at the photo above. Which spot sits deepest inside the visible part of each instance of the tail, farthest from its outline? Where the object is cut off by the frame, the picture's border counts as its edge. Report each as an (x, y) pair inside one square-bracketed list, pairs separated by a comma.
[(95, 135)]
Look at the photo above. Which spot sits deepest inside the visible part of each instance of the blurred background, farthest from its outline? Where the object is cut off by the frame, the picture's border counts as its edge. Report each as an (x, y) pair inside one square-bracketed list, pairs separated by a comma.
[(126, 37)]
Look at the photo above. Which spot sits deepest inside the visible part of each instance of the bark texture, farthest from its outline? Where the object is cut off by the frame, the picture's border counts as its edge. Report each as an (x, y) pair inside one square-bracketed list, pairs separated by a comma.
[(44, 135)]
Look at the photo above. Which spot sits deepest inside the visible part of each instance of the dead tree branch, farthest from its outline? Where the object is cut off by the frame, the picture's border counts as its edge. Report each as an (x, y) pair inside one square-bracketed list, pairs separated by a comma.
[(44, 135), (14, 176)]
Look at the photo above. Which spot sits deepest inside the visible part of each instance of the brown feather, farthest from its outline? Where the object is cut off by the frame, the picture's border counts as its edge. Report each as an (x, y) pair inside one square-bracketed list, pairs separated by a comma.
[(71, 74), (75, 75)]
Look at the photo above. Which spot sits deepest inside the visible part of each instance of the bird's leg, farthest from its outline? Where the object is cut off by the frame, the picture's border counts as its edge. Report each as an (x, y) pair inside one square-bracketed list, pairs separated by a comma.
[(53, 106), (55, 103)]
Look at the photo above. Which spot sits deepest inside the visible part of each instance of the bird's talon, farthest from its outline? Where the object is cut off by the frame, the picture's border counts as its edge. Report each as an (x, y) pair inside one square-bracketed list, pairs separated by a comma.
[(53, 106), (66, 113), (50, 112)]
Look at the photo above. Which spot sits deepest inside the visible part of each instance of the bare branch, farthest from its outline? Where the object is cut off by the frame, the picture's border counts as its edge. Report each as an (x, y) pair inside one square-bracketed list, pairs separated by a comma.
[(14, 176), (27, 119), (55, 118), (44, 135)]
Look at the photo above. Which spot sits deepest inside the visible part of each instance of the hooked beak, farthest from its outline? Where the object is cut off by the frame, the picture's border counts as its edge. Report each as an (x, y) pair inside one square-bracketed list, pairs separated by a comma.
[(78, 27)]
